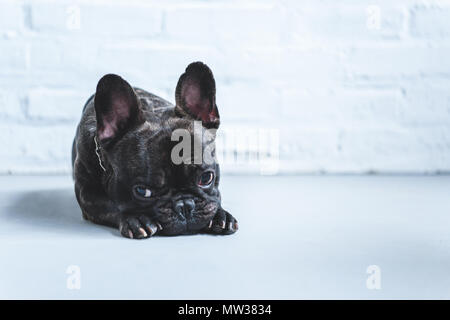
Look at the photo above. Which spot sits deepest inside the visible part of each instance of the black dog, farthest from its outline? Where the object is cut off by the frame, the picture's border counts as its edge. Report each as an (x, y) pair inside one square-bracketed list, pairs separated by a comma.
[(123, 166)]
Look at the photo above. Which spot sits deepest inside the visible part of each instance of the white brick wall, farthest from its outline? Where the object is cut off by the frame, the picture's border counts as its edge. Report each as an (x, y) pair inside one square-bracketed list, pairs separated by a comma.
[(346, 91)]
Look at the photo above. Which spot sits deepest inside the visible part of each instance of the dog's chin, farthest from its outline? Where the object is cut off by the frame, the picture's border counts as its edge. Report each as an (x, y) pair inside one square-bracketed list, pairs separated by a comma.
[(183, 226), (172, 224)]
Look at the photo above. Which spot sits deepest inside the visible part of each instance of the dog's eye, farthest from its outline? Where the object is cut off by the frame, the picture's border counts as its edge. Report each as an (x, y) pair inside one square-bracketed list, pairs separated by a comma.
[(142, 192), (206, 179)]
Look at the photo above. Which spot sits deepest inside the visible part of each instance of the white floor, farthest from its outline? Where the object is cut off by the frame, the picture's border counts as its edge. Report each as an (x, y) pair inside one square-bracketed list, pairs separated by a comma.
[(302, 237)]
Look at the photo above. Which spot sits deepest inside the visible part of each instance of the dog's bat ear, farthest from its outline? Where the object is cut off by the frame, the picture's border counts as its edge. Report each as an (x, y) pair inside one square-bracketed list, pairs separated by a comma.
[(195, 95), (116, 106)]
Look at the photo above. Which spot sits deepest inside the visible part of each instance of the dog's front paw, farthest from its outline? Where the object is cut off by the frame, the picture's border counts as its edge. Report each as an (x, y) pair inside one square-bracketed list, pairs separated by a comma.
[(138, 226), (223, 223)]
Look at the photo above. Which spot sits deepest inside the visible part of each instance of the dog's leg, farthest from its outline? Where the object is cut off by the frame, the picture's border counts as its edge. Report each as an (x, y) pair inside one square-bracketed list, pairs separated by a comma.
[(98, 208)]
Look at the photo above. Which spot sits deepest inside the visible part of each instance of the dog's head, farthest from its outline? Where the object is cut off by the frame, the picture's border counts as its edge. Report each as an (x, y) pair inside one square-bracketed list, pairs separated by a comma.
[(164, 167)]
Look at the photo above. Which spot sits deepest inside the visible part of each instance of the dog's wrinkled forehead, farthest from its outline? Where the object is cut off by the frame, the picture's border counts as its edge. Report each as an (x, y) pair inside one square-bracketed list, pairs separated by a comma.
[(193, 126), (153, 148)]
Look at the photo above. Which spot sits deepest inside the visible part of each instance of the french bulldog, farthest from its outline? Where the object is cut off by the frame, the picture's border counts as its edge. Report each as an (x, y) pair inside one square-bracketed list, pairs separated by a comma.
[(122, 159)]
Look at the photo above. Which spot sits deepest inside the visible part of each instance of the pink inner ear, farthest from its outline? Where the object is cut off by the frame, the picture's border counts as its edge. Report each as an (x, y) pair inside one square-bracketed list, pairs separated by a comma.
[(120, 112), (200, 107), (107, 131)]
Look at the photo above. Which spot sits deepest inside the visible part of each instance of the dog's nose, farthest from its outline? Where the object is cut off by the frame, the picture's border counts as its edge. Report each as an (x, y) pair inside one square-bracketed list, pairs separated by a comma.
[(184, 207)]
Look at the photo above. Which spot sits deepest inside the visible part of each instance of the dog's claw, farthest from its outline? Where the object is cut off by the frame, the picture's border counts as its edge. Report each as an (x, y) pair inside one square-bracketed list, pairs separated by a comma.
[(152, 229), (143, 233)]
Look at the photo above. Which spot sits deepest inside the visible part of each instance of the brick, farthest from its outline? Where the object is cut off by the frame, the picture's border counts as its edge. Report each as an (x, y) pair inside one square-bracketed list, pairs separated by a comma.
[(427, 103), (98, 20), (308, 149), (242, 101), (343, 107), (154, 62), (304, 106), (13, 57), (11, 105), (337, 23), (121, 20), (11, 16), (221, 26), (430, 22), (28, 148), (396, 149), (287, 66), (396, 61), (53, 104), (48, 16), (51, 55)]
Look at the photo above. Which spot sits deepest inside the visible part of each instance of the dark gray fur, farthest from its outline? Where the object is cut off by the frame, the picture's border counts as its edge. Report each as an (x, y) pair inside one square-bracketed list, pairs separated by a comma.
[(140, 155)]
